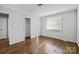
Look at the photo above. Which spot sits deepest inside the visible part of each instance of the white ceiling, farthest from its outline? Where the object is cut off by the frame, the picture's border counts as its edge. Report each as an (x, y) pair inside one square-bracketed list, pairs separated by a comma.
[(34, 10)]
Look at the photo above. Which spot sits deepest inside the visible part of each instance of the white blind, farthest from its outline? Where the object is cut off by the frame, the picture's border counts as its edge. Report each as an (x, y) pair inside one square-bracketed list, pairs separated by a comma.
[(54, 23)]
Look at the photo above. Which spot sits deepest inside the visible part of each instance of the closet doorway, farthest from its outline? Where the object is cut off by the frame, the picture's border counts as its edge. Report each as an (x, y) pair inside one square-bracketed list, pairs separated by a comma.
[(3, 26), (27, 28), (4, 29)]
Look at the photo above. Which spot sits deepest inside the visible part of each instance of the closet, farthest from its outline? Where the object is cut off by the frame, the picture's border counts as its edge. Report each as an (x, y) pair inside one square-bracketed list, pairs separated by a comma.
[(3, 26), (27, 27)]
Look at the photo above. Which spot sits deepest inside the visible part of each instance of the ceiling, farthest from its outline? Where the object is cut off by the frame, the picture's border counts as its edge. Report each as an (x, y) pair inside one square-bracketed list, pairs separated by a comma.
[(34, 10)]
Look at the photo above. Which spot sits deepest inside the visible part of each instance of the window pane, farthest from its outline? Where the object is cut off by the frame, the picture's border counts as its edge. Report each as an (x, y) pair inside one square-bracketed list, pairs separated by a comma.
[(54, 23)]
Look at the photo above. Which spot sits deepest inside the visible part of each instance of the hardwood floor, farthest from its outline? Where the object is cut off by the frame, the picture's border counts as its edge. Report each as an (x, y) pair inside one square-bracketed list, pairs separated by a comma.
[(42, 45)]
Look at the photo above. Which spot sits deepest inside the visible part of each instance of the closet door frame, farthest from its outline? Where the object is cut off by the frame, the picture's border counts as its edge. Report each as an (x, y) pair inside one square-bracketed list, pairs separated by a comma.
[(6, 16), (29, 27)]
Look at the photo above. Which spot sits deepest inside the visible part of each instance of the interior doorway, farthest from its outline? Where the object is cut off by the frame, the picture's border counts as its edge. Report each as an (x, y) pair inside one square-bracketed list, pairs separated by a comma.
[(4, 40), (27, 27), (3, 26)]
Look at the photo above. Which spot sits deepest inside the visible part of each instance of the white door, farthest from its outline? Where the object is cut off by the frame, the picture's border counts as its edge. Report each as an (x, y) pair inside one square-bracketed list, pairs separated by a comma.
[(3, 28)]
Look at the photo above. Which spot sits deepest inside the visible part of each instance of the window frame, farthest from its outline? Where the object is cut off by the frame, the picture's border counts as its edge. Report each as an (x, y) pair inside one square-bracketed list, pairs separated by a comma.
[(56, 19)]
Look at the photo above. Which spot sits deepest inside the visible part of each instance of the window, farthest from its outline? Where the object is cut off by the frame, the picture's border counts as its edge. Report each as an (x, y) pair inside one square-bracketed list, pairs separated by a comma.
[(54, 23)]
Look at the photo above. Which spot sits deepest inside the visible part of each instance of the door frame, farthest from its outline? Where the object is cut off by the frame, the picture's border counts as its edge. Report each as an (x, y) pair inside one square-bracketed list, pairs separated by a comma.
[(6, 16), (29, 27)]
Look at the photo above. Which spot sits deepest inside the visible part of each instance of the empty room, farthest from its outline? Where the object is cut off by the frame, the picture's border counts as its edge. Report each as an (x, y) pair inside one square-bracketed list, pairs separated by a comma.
[(39, 29)]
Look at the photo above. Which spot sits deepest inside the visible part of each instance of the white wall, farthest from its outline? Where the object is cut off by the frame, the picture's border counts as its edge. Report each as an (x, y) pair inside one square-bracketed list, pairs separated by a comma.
[(16, 25), (16, 22), (17, 28), (68, 32)]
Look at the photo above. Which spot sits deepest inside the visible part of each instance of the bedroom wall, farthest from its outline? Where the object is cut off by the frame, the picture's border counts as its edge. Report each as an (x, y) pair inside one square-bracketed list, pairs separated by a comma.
[(69, 31), (16, 24)]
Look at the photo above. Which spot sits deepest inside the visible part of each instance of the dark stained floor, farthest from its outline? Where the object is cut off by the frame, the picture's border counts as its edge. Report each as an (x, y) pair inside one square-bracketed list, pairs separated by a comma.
[(40, 45)]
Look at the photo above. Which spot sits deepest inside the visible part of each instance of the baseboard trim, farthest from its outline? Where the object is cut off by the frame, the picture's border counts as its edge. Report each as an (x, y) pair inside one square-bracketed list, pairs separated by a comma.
[(78, 44), (4, 38), (58, 38)]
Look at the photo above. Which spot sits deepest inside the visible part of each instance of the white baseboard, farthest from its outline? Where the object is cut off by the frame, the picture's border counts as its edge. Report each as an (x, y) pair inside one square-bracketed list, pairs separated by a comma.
[(78, 43), (17, 41), (60, 39)]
